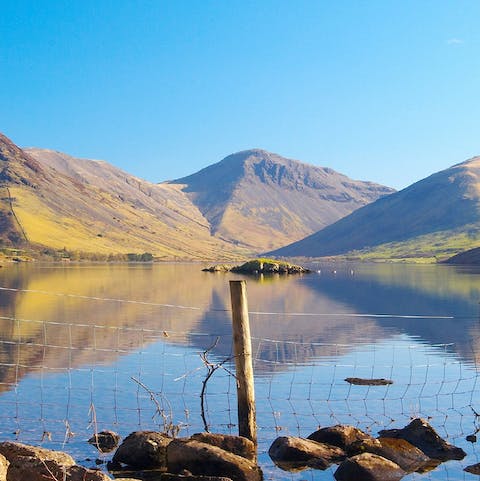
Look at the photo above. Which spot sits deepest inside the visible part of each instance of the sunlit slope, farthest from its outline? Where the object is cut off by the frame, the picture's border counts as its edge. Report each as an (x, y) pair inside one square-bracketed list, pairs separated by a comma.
[(437, 216), (262, 201), (92, 207), (25, 169)]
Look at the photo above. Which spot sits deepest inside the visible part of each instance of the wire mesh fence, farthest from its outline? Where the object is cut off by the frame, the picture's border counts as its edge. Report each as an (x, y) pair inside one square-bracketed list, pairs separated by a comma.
[(62, 381)]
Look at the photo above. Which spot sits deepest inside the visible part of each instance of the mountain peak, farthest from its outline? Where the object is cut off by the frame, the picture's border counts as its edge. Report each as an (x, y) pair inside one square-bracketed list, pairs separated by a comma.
[(253, 152), (259, 199), (250, 156), (256, 155)]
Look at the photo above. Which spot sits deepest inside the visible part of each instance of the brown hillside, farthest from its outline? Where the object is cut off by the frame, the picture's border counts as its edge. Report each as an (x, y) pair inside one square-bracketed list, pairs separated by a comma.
[(262, 201)]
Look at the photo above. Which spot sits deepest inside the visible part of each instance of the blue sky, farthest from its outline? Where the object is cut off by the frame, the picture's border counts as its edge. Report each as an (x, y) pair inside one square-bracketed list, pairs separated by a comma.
[(385, 90)]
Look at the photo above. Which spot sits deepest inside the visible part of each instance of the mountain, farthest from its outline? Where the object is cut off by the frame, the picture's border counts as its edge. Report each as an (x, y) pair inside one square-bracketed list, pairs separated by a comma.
[(470, 257), (437, 216), (249, 202), (52, 201), (261, 201)]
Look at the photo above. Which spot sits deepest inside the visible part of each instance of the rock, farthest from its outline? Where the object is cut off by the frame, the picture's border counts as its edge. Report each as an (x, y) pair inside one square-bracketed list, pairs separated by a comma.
[(105, 441), (260, 266), (190, 477), (125, 474), (269, 266), (359, 381), (3, 467), (11, 449), (471, 438), (143, 449), (218, 268), (40, 464), (368, 467), (128, 479), (207, 460), (340, 435), (234, 444), (473, 469), (291, 453), (423, 436), (401, 452), (79, 473)]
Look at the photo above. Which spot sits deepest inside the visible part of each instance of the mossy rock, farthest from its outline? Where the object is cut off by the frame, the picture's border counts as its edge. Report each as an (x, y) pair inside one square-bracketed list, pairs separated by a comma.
[(269, 266), (218, 268)]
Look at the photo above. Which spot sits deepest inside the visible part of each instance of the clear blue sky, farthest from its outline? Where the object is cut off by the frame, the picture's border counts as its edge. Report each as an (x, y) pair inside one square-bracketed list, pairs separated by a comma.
[(379, 90)]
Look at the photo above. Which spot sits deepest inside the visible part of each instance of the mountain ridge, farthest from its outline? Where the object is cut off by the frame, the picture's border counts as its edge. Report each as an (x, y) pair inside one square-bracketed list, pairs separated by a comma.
[(55, 202)]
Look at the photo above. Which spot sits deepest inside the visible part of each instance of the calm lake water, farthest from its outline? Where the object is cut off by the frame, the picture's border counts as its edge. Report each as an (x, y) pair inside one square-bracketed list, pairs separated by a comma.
[(85, 347)]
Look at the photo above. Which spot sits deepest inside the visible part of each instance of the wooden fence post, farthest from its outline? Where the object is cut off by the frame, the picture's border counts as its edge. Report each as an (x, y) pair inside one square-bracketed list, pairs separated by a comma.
[(242, 344)]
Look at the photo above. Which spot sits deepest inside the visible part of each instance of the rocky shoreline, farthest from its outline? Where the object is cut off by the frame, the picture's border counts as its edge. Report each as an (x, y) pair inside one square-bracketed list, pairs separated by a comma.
[(219, 457)]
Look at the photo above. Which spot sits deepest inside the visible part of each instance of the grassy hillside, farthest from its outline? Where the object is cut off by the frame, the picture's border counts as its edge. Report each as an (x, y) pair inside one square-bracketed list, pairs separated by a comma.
[(88, 207)]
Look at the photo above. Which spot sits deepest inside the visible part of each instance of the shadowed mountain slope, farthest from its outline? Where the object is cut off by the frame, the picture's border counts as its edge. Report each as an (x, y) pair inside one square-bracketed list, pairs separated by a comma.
[(261, 200), (470, 257), (437, 216)]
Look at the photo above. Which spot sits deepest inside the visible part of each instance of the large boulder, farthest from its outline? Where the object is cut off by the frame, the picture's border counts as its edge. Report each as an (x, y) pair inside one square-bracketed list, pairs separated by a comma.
[(340, 435), (291, 453), (38, 464), (401, 452), (368, 467), (3, 467), (234, 444), (143, 450), (190, 477), (204, 459), (423, 436)]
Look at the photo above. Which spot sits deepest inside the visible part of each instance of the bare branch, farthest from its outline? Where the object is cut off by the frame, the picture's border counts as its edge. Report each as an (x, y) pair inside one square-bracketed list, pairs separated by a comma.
[(211, 368), (167, 419)]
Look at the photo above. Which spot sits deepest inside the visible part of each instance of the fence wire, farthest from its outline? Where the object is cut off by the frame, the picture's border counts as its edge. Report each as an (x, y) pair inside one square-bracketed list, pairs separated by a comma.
[(60, 382)]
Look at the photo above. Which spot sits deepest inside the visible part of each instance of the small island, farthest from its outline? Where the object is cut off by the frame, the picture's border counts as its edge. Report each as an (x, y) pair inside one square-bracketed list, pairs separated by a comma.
[(260, 266)]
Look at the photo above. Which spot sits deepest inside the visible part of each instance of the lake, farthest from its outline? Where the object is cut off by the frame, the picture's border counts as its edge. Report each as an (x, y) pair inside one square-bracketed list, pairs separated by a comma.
[(85, 347)]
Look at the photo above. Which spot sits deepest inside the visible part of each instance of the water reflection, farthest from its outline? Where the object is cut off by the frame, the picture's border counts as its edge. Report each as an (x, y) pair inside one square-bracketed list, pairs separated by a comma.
[(448, 298), (114, 309), (42, 329)]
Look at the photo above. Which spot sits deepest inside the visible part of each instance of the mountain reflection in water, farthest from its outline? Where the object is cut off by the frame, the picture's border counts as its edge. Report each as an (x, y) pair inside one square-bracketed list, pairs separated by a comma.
[(111, 310)]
